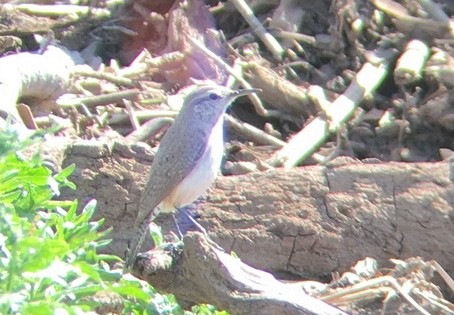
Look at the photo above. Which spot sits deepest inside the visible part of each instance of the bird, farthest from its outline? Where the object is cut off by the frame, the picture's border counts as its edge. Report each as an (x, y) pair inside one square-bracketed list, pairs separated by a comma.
[(188, 158)]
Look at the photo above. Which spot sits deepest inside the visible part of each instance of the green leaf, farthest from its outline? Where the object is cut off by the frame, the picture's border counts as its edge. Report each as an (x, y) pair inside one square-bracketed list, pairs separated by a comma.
[(89, 269), (10, 197), (43, 252), (48, 248), (62, 177), (37, 307), (131, 289), (64, 173), (156, 234)]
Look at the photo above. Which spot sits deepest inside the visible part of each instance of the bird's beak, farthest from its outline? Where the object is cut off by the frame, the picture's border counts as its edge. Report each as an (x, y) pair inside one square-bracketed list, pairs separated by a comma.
[(243, 92)]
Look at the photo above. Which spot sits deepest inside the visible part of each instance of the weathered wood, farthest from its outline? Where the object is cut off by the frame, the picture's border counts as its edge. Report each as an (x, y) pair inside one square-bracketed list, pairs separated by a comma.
[(202, 274), (308, 221)]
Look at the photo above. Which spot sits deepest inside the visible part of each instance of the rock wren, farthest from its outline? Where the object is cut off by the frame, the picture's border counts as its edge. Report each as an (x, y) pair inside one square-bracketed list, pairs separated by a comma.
[(188, 158)]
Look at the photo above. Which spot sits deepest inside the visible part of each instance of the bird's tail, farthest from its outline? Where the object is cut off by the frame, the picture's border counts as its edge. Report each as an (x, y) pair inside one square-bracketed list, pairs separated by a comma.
[(135, 245)]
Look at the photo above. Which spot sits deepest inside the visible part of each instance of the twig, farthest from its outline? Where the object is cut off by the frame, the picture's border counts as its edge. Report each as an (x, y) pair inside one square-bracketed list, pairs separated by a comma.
[(56, 10), (131, 113), (434, 10), (105, 76), (270, 42), (408, 23), (305, 142), (138, 65), (441, 66), (252, 133), (411, 63), (97, 100), (118, 28), (150, 128), (121, 118), (372, 283), (443, 274), (52, 120), (27, 116), (277, 91), (171, 57)]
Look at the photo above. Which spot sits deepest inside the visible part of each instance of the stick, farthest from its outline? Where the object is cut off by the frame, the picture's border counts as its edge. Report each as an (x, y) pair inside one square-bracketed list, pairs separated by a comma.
[(411, 63), (252, 133), (149, 129), (270, 42), (98, 100), (304, 143)]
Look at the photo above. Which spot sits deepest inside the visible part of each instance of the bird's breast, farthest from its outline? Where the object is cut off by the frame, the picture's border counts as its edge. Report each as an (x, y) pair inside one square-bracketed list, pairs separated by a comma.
[(204, 172)]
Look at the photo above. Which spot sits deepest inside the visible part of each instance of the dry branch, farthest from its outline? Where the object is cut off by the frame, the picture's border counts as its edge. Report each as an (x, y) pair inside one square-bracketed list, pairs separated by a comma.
[(251, 133), (98, 100), (279, 92), (203, 274), (411, 63), (304, 143), (270, 42), (149, 129)]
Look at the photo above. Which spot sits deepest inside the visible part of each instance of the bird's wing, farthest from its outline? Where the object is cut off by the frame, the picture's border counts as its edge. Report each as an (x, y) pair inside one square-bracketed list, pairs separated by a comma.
[(169, 168)]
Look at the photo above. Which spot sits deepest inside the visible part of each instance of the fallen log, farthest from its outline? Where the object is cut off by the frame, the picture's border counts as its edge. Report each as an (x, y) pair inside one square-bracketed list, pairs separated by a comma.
[(200, 273), (308, 221)]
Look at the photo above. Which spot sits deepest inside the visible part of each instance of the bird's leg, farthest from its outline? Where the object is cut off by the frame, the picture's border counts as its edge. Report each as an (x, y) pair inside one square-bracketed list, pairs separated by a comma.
[(201, 228), (177, 226)]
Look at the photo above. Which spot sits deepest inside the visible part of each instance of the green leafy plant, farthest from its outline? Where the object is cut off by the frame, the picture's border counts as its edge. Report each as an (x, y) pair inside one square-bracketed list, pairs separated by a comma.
[(48, 249)]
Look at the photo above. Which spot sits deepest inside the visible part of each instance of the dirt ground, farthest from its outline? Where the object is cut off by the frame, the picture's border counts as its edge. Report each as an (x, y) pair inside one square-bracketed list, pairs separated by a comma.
[(409, 116)]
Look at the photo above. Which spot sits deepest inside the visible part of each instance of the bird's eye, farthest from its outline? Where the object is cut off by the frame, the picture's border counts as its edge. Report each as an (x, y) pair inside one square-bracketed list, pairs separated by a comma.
[(213, 96)]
